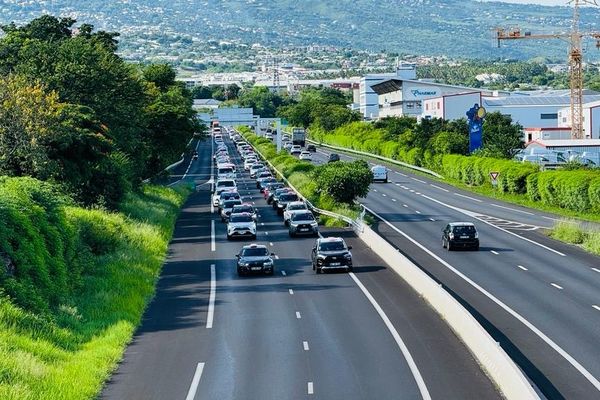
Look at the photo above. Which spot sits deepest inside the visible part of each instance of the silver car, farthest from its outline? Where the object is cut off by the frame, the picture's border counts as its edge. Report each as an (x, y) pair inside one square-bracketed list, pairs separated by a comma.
[(303, 223), (291, 208)]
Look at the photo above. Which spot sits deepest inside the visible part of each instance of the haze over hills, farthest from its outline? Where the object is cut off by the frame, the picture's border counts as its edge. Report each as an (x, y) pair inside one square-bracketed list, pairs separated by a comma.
[(455, 28)]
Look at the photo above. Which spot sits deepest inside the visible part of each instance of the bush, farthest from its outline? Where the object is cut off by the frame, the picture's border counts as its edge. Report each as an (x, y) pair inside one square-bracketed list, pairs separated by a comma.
[(343, 181), (532, 187), (594, 193)]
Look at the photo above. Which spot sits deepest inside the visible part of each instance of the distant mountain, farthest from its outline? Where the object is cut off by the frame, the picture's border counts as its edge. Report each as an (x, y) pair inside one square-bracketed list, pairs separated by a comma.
[(456, 28)]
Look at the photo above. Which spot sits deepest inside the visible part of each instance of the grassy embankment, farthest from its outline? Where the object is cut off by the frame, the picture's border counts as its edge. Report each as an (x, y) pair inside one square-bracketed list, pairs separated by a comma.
[(300, 175), (74, 284)]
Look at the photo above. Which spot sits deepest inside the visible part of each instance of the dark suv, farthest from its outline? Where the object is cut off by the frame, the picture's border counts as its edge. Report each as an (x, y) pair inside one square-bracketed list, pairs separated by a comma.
[(333, 157), (311, 147), (255, 258), (279, 202), (460, 234), (331, 253)]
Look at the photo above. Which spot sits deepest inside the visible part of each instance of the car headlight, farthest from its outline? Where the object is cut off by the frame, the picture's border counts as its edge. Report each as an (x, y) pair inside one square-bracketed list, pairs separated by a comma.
[(451, 236), (476, 235), (314, 224), (280, 205), (268, 263)]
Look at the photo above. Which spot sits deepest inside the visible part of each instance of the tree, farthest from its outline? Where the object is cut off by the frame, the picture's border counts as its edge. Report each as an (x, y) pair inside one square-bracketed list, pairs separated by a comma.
[(162, 75), (501, 138), (344, 181), (331, 116), (449, 143)]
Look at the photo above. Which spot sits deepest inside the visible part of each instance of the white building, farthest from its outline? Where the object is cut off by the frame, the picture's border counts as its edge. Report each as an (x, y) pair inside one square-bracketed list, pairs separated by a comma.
[(368, 97), (535, 134), (591, 119), (407, 97), (450, 106)]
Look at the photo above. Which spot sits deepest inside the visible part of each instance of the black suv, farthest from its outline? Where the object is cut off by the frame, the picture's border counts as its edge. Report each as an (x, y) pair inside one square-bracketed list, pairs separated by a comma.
[(460, 234), (279, 202), (331, 253), (311, 147), (255, 258), (334, 157)]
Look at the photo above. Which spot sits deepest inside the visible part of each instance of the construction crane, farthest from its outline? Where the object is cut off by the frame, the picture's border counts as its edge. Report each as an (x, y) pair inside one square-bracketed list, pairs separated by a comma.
[(574, 38)]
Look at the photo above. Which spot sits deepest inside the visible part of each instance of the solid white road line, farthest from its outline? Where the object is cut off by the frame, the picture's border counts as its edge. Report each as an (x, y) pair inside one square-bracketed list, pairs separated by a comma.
[(305, 345), (512, 209), (211, 300), (407, 356), (494, 252), (596, 269), (195, 382), (468, 197), (291, 291), (522, 267), (490, 296), (298, 316), (557, 286), (551, 219), (473, 215), (213, 246), (418, 180), (441, 188), (596, 307), (311, 389)]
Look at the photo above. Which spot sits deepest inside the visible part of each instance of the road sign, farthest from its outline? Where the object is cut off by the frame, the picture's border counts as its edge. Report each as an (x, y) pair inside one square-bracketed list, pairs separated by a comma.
[(494, 176)]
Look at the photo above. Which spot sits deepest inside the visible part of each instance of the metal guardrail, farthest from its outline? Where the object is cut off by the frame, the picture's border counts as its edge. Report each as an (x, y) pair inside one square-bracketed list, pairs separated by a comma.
[(389, 160), (356, 224)]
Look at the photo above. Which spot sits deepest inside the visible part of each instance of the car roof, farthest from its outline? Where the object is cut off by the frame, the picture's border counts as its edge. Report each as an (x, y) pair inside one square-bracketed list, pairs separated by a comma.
[(245, 214), (254, 246), (294, 203), (461, 224), (330, 239)]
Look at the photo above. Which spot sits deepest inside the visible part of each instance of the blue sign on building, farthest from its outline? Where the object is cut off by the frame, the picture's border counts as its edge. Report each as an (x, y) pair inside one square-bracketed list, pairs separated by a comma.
[(476, 114)]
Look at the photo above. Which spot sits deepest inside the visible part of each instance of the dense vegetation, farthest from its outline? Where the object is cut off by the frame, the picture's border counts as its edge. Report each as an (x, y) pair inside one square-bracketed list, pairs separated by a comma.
[(81, 240), (74, 112), (74, 283)]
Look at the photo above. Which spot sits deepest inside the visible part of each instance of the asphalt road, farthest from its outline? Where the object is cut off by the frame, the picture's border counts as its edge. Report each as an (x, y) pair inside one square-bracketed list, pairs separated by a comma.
[(538, 297), (209, 334)]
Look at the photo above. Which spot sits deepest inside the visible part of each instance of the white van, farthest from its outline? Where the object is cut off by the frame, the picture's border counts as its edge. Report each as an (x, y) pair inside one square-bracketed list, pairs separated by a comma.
[(380, 173)]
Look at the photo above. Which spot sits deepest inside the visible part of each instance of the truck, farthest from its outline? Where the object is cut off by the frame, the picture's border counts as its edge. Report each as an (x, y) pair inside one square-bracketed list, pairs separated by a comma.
[(299, 136)]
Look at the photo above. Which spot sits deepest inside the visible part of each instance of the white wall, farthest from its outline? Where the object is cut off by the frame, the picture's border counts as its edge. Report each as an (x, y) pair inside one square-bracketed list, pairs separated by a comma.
[(529, 116), (456, 107)]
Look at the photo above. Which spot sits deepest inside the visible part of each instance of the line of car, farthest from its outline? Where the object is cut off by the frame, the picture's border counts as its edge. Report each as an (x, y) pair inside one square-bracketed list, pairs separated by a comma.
[(241, 218)]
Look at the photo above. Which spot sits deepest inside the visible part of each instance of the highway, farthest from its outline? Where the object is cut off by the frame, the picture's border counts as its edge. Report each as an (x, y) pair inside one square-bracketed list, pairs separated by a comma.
[(538, 297), (210, 334)]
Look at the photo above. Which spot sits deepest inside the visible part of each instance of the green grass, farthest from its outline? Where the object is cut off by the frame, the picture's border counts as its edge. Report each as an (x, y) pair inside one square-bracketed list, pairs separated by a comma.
[(574, 233), (69, 351)]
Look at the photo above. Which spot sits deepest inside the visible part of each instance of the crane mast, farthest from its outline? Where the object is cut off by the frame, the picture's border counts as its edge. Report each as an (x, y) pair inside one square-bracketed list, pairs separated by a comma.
[(575, 60)]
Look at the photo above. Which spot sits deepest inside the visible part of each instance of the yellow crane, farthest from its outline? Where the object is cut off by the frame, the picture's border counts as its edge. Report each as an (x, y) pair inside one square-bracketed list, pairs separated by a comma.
[(574, 38)]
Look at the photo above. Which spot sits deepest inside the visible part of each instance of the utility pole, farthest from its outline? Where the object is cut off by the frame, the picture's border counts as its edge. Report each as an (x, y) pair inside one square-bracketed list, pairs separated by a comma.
[(574, 39)]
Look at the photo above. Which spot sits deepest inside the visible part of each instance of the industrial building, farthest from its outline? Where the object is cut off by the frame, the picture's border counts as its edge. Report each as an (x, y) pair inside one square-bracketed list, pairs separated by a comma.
[(591, 118)]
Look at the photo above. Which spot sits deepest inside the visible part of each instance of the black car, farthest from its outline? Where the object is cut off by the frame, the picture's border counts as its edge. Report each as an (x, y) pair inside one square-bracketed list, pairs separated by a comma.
[(255, 258), (460, 235), (282, 200), (311, 147), (333, 157), (331, 253), (274, 195)]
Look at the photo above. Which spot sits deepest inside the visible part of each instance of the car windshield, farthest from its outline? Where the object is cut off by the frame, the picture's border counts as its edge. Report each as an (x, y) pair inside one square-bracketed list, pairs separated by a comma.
[(296, 207), (240, 218), (255, 252), (303, 217), (332, 246), (231, 203), (230, 195), (288, 197), (226, 184), (464, 230), (243, 209), (225, 170), (257, 166)]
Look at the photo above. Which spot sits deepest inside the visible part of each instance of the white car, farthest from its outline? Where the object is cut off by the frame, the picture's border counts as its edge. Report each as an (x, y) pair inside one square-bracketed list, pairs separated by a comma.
[(240, 225), (249, 162), (380, 173), (227, 206), (296, 149), (225, 171), (291, 208), (220, 186), (305, 155)]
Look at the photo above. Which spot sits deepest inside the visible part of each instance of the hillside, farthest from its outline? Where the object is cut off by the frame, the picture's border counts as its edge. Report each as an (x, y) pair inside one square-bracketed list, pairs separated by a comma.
[(456, 28)]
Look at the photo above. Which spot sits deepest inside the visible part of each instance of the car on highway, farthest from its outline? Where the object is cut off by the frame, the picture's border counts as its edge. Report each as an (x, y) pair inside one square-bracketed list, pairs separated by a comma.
[(227, 206), (333, 157), (331, 253), (305, 155), (254, 168), (250, 161), (226, 171), (291, 208), (245, 208), (311, 147), (282, 200), (277, 193), (241, 225), (380, 173), (255, 258), (296, 149), (222, 185), (303, 223), (262, 175), (262, 182), (460, 235), (270, 188), (227, 195), (288, 146)]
